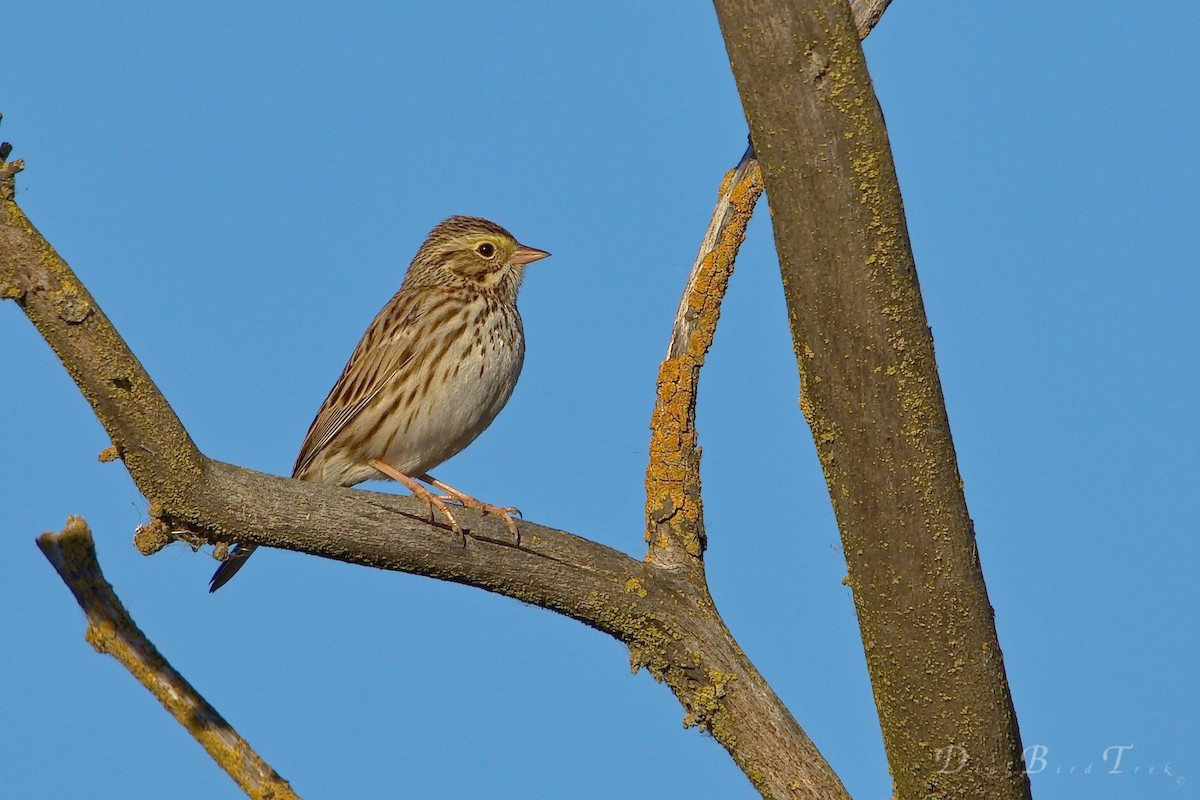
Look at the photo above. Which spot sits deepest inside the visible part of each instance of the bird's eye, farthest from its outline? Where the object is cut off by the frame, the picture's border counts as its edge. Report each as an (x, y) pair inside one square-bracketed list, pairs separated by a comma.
[(486, 249)]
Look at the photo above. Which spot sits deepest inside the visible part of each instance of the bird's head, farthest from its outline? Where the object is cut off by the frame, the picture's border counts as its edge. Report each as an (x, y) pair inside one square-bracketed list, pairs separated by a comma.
[(475, 252)]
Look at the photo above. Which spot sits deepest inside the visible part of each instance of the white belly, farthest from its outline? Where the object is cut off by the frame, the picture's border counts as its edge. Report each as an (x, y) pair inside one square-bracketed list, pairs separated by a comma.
[(415, 428), (468, 391)]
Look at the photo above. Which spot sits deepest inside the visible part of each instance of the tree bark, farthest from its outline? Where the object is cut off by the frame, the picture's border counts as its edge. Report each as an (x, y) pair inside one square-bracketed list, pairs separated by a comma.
[(113, 632), (871, 393), (663, 613)]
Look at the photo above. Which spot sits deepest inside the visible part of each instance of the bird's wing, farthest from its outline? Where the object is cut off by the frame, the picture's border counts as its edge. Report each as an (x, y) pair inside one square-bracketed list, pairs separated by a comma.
[(388, 346)]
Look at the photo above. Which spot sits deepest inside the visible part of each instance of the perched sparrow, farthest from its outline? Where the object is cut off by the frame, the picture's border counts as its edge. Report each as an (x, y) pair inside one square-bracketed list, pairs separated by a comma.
[(432, 371)]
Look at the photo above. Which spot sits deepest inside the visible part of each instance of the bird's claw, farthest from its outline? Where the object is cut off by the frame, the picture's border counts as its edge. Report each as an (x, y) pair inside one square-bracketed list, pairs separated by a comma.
[(497, 511), (433, 501)]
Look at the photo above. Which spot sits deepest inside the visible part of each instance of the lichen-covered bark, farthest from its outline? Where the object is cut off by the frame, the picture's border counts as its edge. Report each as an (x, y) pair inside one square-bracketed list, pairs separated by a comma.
[(674, 510), (871, 393), (113, 632)]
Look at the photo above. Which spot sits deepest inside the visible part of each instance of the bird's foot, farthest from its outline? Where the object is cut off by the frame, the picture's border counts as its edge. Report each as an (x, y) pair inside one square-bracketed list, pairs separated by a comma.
[(431, 500), (466, 501)]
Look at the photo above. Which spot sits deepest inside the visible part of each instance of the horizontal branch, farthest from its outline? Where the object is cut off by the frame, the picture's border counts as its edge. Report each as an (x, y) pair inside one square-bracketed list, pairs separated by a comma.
[(551, 568), (113, 632), (189, 491)]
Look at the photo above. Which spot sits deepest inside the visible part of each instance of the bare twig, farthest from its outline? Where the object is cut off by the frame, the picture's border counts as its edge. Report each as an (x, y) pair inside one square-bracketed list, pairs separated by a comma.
[(112, 631), (674, 512), (8, 169)]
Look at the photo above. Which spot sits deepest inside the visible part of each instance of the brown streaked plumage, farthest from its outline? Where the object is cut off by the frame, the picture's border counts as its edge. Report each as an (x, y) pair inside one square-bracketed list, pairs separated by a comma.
[(432, 371)]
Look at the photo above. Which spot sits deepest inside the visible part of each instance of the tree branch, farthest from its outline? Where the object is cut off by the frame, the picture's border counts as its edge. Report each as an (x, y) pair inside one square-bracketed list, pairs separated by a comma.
[(664, 614), (225, 503), (866, 14), (871, 393), (112, 631), (674, 509), (666, 617)]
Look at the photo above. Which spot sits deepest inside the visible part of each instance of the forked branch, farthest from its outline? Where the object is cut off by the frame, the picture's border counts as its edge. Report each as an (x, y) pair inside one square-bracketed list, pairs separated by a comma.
[(660, 609), (664, 616), (674, 511)]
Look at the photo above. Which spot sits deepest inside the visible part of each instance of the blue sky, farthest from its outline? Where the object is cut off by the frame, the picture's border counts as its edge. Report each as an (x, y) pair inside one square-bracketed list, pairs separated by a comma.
[(241, 188)]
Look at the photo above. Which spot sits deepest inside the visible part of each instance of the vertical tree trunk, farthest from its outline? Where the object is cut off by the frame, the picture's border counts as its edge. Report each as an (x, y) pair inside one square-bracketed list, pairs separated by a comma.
[(871, 393)]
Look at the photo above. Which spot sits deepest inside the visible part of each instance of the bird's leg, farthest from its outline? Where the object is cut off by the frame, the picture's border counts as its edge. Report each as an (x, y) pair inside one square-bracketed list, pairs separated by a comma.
[(431, 500), (467, 501)]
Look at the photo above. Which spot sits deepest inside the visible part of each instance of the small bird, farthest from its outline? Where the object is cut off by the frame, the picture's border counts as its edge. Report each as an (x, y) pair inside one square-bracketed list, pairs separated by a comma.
[(432, 371)]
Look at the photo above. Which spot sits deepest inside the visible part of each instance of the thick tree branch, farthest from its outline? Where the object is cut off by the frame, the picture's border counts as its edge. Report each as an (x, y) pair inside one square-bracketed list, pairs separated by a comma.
[(871, 393), (188, 491), (111, 630), (156, 449), (666, 617)]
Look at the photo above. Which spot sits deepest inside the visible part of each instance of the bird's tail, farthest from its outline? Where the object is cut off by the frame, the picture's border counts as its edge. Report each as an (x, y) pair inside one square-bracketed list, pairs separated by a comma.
[(230, 566)]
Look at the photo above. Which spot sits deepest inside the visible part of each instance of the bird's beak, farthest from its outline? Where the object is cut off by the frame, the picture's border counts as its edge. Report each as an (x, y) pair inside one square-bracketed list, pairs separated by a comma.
[(527, 255)]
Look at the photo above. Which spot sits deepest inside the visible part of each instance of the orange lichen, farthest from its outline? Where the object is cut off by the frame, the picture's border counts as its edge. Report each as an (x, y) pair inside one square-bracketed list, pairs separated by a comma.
[(674, 512)]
